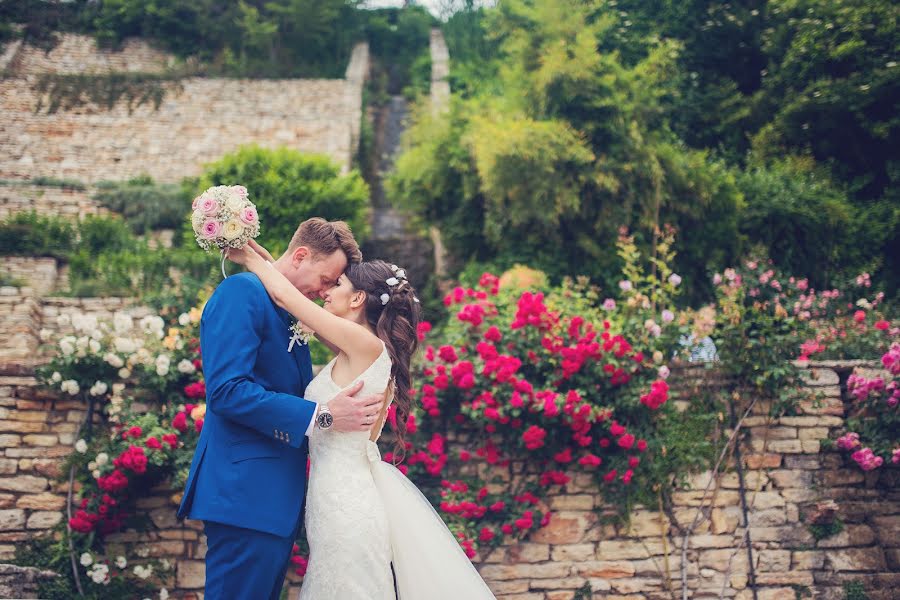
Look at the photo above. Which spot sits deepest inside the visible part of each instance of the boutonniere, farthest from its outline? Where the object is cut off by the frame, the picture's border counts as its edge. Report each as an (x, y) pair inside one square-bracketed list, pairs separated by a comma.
[(299, 334)]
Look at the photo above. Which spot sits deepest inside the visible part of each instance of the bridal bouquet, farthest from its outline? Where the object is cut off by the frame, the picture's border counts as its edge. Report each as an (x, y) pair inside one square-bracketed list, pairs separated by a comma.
[(223, 217)]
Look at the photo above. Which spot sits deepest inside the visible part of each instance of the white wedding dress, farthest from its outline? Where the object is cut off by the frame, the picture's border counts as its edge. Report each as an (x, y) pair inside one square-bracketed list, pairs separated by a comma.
[(362, 515)]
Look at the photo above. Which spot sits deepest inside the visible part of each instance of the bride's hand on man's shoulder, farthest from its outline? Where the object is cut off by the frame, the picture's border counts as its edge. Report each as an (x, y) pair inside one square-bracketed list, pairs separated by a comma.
[(242, 256)]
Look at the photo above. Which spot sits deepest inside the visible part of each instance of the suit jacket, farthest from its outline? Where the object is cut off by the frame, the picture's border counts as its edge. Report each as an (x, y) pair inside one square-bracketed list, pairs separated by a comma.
[(249, 468)]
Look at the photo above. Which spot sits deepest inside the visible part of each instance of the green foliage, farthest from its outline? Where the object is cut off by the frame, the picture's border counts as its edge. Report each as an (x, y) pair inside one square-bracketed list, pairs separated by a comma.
[(854, 590), (399, 44), (68, 91), (8, 280), (146, 205), (66, 184), (821, 531), (545, 162), (288, 187), (30, 234), (806, 223)]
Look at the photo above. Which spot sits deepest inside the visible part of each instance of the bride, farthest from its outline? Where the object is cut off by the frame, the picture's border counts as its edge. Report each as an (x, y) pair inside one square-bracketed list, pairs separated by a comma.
[(363, 516)]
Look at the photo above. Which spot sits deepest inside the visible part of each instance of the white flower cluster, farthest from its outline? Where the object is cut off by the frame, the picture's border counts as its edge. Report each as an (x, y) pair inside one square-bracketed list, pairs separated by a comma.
[(223, 217)]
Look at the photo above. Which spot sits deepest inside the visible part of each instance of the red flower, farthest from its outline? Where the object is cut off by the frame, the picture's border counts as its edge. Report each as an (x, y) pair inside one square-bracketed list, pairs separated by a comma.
[(882, 325), (498, 506), (859, 316), (464, 455), (493, 334), (616, 429), (563, 457), (626, 441), (554, 478), (633, 461), (611, 476), (534, 437), (507, 529), (641, 445), (448, 354), (659, 393), (486, 535), (626, 478), (590, 460), (153, 443), (114, 482), (526, 521), (132, 459), (171, 439), (198, 425), (422, 329), (195, 390), (180, 422)]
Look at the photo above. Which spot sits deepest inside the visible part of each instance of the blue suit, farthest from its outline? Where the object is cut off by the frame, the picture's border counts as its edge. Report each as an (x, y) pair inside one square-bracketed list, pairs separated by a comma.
[(248, 476)]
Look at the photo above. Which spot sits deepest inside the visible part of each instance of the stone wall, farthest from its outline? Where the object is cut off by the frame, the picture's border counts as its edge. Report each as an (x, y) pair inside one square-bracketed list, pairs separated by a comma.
[(40, 273), (786, 475), (80, 54), (198, 121), (47, 201)]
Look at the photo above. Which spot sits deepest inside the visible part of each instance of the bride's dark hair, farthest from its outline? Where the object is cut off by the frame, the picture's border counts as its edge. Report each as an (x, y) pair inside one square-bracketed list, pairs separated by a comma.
[(393, 311)]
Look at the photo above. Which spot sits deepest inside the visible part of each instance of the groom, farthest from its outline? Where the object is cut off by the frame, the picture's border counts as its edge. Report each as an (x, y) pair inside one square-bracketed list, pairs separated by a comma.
[(248, 477)]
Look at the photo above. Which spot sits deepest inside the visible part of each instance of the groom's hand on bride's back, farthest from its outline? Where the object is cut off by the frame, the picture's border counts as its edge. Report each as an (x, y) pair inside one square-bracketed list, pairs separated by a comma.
[(354, 414)]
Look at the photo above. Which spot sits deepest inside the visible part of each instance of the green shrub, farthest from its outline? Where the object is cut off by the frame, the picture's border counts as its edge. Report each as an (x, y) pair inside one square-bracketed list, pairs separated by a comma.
[(31, 234), (289, 187), (146, 205)]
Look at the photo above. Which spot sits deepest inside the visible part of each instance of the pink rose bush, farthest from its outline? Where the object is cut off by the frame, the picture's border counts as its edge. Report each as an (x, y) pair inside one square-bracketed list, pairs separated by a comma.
[(874, 415)]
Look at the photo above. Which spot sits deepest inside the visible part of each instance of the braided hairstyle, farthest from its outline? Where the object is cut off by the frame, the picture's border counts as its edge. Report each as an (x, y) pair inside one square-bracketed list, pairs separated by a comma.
[(393, 312)]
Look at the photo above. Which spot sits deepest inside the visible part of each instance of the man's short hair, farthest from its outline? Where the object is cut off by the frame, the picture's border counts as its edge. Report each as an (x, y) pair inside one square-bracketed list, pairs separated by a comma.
[(324, 238)]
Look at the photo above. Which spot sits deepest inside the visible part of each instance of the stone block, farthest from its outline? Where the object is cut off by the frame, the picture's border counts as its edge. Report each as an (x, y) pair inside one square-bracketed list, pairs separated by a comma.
[(605, 569), (852, 535), (24, 483), (773, 560), (565, 528), (572, 502), (8, 466), (573, 552), (12, 519), (528, 553), (712, 541), (569, 583), (612, 550), (644, 523), (49, 468), (768, 518), (807, 560), (525, 571), (44, 519), (45, 501), (725, 520), (768, 460), (8, 440), (190, 574), (798, 578), (856, 559)]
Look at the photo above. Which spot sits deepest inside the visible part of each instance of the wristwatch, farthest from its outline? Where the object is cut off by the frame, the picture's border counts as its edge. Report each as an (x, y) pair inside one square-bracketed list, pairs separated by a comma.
[(324, 419)]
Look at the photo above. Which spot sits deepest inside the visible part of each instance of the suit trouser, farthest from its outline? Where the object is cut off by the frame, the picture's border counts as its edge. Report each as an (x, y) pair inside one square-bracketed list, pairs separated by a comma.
[(244, 564)]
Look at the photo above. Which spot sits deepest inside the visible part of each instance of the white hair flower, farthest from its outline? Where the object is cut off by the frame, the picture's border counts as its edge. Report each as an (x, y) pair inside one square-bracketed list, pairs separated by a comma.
[(384, 299), (392, 281)]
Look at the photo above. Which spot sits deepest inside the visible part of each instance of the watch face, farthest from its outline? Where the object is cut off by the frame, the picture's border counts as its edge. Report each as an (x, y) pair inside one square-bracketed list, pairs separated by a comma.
[(325, 420)]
